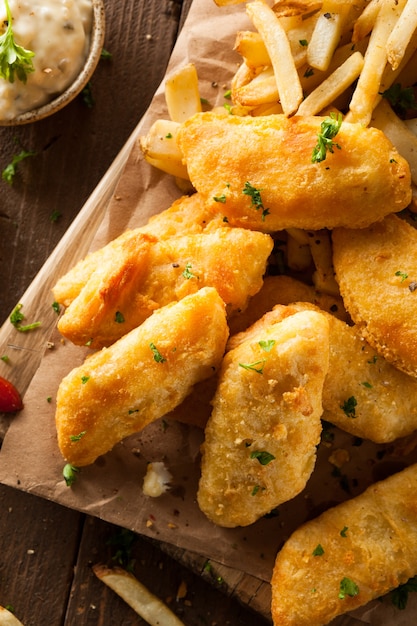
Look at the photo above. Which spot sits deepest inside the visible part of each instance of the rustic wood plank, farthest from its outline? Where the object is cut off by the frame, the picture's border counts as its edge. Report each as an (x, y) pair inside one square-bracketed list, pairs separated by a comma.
[(193, 599), (39, 542)]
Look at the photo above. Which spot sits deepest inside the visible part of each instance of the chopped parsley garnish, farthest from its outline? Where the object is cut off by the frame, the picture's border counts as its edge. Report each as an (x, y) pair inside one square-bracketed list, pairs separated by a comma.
[(55, 215), (303, 42), (399, 596), (187, 273), (221, 198), (168, 136), (349, 406), (14, 59), (367, 385), (78, 437), (267, 345), (262, 456), (87, 96), (123, 541), (85, 379), (156, 354), (227, 94), (256, 199), (10, 170), (348, 588), (105, 55), (403, 275), (5, 358), (119, 317), (255, 490), (318, 550), (257, 366), (343, 532), (16, 317), (328, 131), (401, 99), (70, 474), (55, 306)]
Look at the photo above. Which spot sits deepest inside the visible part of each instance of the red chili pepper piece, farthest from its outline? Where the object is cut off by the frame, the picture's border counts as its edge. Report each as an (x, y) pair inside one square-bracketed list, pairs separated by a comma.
[(10, 400)]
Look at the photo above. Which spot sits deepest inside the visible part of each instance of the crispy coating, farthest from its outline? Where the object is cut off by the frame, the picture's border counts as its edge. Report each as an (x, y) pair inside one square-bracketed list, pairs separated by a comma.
[(119, 390), (363, 394), (268, 402), (284, 289), (376, 269), (273, 153), (185, 216), (143, 273), (370, 540)]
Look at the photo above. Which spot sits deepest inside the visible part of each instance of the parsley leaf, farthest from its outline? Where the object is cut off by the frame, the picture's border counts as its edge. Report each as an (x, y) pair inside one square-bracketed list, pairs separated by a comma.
[(16, 317), (256, 200), (400, 98), (14, 59), (318, 550), (262, 456), (70, 474), (348, 588), (10, 170), (156, 354), (328, 131), (349, 406), (254, 366), (399, 596)]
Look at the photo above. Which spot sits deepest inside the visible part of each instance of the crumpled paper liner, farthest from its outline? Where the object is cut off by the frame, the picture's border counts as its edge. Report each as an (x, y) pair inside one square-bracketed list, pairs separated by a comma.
[(111, 488)]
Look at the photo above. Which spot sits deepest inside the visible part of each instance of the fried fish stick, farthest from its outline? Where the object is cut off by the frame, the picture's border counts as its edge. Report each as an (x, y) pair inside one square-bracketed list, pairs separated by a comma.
[(144, 274), (363, 394), (376, 269), (186, 215), (119, 390), (355, 552), (259, 170), (261, 438)]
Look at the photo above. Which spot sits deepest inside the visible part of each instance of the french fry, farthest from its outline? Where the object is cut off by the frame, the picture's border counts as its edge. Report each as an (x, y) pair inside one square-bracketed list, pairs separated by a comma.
[(278, 46), (262, 89), (137, 596), (333, 86), (182, 93), (401, 34), (251, 47), (366, 21), (321, 252), (8, 619), (368, 86), (298, 254), (160, 149), (398, 133), (326, 34)]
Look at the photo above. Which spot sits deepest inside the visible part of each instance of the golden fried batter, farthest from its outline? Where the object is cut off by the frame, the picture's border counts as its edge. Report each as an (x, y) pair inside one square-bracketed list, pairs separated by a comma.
[(143, 376), (143, 274), (351, 554), (187, 215), (230, 158), (363, 394), (260, 441), (376, 269)]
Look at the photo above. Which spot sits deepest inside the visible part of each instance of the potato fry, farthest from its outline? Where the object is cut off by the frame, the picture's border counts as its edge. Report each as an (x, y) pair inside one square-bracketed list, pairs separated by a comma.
[(8, 619), (278, 46), (333, 86), (160, 148), (366, 20), (326, 34), (261, 90), (402, 33), (251, 47), (368, 86), (182, 93), (137, 596), (399, 134), (321, 252)]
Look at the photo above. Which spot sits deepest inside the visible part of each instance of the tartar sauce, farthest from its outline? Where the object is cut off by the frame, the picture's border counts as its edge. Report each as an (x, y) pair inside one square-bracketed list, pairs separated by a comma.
[(58, 32)]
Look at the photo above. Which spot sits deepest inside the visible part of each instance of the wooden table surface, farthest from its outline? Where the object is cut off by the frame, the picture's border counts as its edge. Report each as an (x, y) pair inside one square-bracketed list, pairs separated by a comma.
[(47, 551)]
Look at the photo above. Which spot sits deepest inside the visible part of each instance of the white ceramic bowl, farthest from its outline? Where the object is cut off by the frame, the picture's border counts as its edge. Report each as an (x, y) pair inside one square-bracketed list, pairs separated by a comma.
[(93, 57)]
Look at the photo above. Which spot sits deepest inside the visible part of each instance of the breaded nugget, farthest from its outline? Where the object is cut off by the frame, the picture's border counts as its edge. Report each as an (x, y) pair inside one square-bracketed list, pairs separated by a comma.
[(284, 289), (351, 554), (259, 172), (261, 438), (376, 269), (185, 216), (144, 274), (363, 394), (119, 390)]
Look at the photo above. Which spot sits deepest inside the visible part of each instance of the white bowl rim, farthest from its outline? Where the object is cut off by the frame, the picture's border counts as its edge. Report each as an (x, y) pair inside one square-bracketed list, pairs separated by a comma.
[(93, 57)]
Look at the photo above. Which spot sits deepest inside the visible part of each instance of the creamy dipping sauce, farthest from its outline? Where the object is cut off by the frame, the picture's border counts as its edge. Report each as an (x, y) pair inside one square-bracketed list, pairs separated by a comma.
[(58, 32)]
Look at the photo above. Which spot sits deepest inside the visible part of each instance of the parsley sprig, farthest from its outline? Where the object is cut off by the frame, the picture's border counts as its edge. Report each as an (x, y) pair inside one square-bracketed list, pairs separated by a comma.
[(15, 61), (328, 131)]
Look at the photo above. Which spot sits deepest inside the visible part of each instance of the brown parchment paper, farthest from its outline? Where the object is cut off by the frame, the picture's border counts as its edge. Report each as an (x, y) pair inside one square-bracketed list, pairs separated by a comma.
[(111, 488)]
